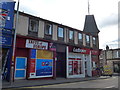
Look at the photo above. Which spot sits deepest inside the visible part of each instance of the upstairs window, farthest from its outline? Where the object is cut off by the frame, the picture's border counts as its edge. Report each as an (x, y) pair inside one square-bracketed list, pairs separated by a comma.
[(71, 35), (94, 41), (80, 37), (33, 25), (87, 40), (60, 32), (48, 29)]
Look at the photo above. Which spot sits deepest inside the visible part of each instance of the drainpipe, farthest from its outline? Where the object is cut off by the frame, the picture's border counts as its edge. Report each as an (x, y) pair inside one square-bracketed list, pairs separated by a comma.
[(67, 62)]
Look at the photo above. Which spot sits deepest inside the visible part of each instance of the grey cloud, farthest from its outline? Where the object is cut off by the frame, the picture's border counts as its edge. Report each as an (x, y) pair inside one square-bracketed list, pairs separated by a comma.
[(112, 44), (115, 40), (28, 10), (109, 21)]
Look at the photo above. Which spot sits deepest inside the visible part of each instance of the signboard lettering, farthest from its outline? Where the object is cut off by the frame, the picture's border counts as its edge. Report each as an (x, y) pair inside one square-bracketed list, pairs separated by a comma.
[(83, 50), (5, 40), (79, 50), (36, 44)]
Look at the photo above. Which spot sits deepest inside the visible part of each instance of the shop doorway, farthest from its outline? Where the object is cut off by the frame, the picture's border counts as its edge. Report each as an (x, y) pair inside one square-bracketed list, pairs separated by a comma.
[(75, 65), (61, 65), (20, 67)]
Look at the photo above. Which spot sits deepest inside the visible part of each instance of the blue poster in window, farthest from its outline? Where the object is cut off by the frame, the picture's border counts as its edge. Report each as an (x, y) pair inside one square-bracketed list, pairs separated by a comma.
[(6, 14), (33, 54), (44, 67)]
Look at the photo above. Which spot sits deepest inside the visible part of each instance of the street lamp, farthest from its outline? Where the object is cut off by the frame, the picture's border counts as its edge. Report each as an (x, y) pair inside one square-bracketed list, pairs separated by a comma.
[(14, 45)]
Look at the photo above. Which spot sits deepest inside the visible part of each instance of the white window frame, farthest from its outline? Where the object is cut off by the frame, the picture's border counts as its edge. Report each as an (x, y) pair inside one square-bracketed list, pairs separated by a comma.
[(88, 39), (71, 34), (48, 31), (36, 24), (94, 40), (60, 32), (80, 37)]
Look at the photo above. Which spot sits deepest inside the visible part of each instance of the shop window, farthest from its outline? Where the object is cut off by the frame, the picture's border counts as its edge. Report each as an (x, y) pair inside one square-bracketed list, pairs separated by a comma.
[(71, 36), (87, 40), (94, 42), (33, 27), (60, 33), (41, 63), (75, 66), (48, 30), (80, 38)]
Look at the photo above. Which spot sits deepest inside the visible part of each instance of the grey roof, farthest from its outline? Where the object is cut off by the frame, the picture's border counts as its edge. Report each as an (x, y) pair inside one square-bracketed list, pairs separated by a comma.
[(90, 25)]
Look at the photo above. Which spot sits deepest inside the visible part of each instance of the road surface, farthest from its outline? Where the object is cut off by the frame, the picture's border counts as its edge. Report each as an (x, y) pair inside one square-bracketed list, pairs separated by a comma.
[(99, 84)]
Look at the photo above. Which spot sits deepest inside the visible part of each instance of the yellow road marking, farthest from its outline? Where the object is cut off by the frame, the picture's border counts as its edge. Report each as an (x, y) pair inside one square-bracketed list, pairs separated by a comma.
[(53, 85), (65, 83)]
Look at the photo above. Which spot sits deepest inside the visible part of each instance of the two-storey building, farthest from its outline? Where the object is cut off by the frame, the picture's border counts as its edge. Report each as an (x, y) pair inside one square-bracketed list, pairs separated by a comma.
[(46, 49), (112, 58)]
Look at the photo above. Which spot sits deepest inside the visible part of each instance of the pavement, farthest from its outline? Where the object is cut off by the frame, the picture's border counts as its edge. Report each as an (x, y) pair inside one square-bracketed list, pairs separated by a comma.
[(28, 83)]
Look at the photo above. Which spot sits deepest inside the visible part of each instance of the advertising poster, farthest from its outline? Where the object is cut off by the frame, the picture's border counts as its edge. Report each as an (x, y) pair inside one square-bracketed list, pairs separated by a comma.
[(52, 46), (41, 64), (32, 65), (44, 67), (33, 54), (6, 14)]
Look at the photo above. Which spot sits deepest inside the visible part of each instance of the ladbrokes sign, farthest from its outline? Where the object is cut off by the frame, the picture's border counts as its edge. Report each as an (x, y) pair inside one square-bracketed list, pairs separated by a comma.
[(83, 50), (79, 50)]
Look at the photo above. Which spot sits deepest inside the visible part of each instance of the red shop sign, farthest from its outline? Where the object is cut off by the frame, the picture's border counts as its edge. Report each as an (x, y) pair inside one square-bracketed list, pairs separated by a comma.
[(79, 50), (94, 52)]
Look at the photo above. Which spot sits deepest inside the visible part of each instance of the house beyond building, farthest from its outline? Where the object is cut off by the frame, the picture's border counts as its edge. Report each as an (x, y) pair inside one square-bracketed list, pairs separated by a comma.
[(111, 57)]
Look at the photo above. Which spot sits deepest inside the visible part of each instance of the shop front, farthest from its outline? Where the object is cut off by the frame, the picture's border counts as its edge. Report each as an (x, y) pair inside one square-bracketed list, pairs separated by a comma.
[(34, 59), (78, 62), (6, 36)]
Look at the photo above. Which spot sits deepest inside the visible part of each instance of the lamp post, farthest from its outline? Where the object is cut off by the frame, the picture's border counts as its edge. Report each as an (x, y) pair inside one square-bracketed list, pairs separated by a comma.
[(14, 45), (107, 48)]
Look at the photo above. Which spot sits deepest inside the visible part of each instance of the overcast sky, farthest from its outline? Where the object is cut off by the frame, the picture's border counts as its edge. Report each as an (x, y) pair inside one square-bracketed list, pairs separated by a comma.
[(72, 13)]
